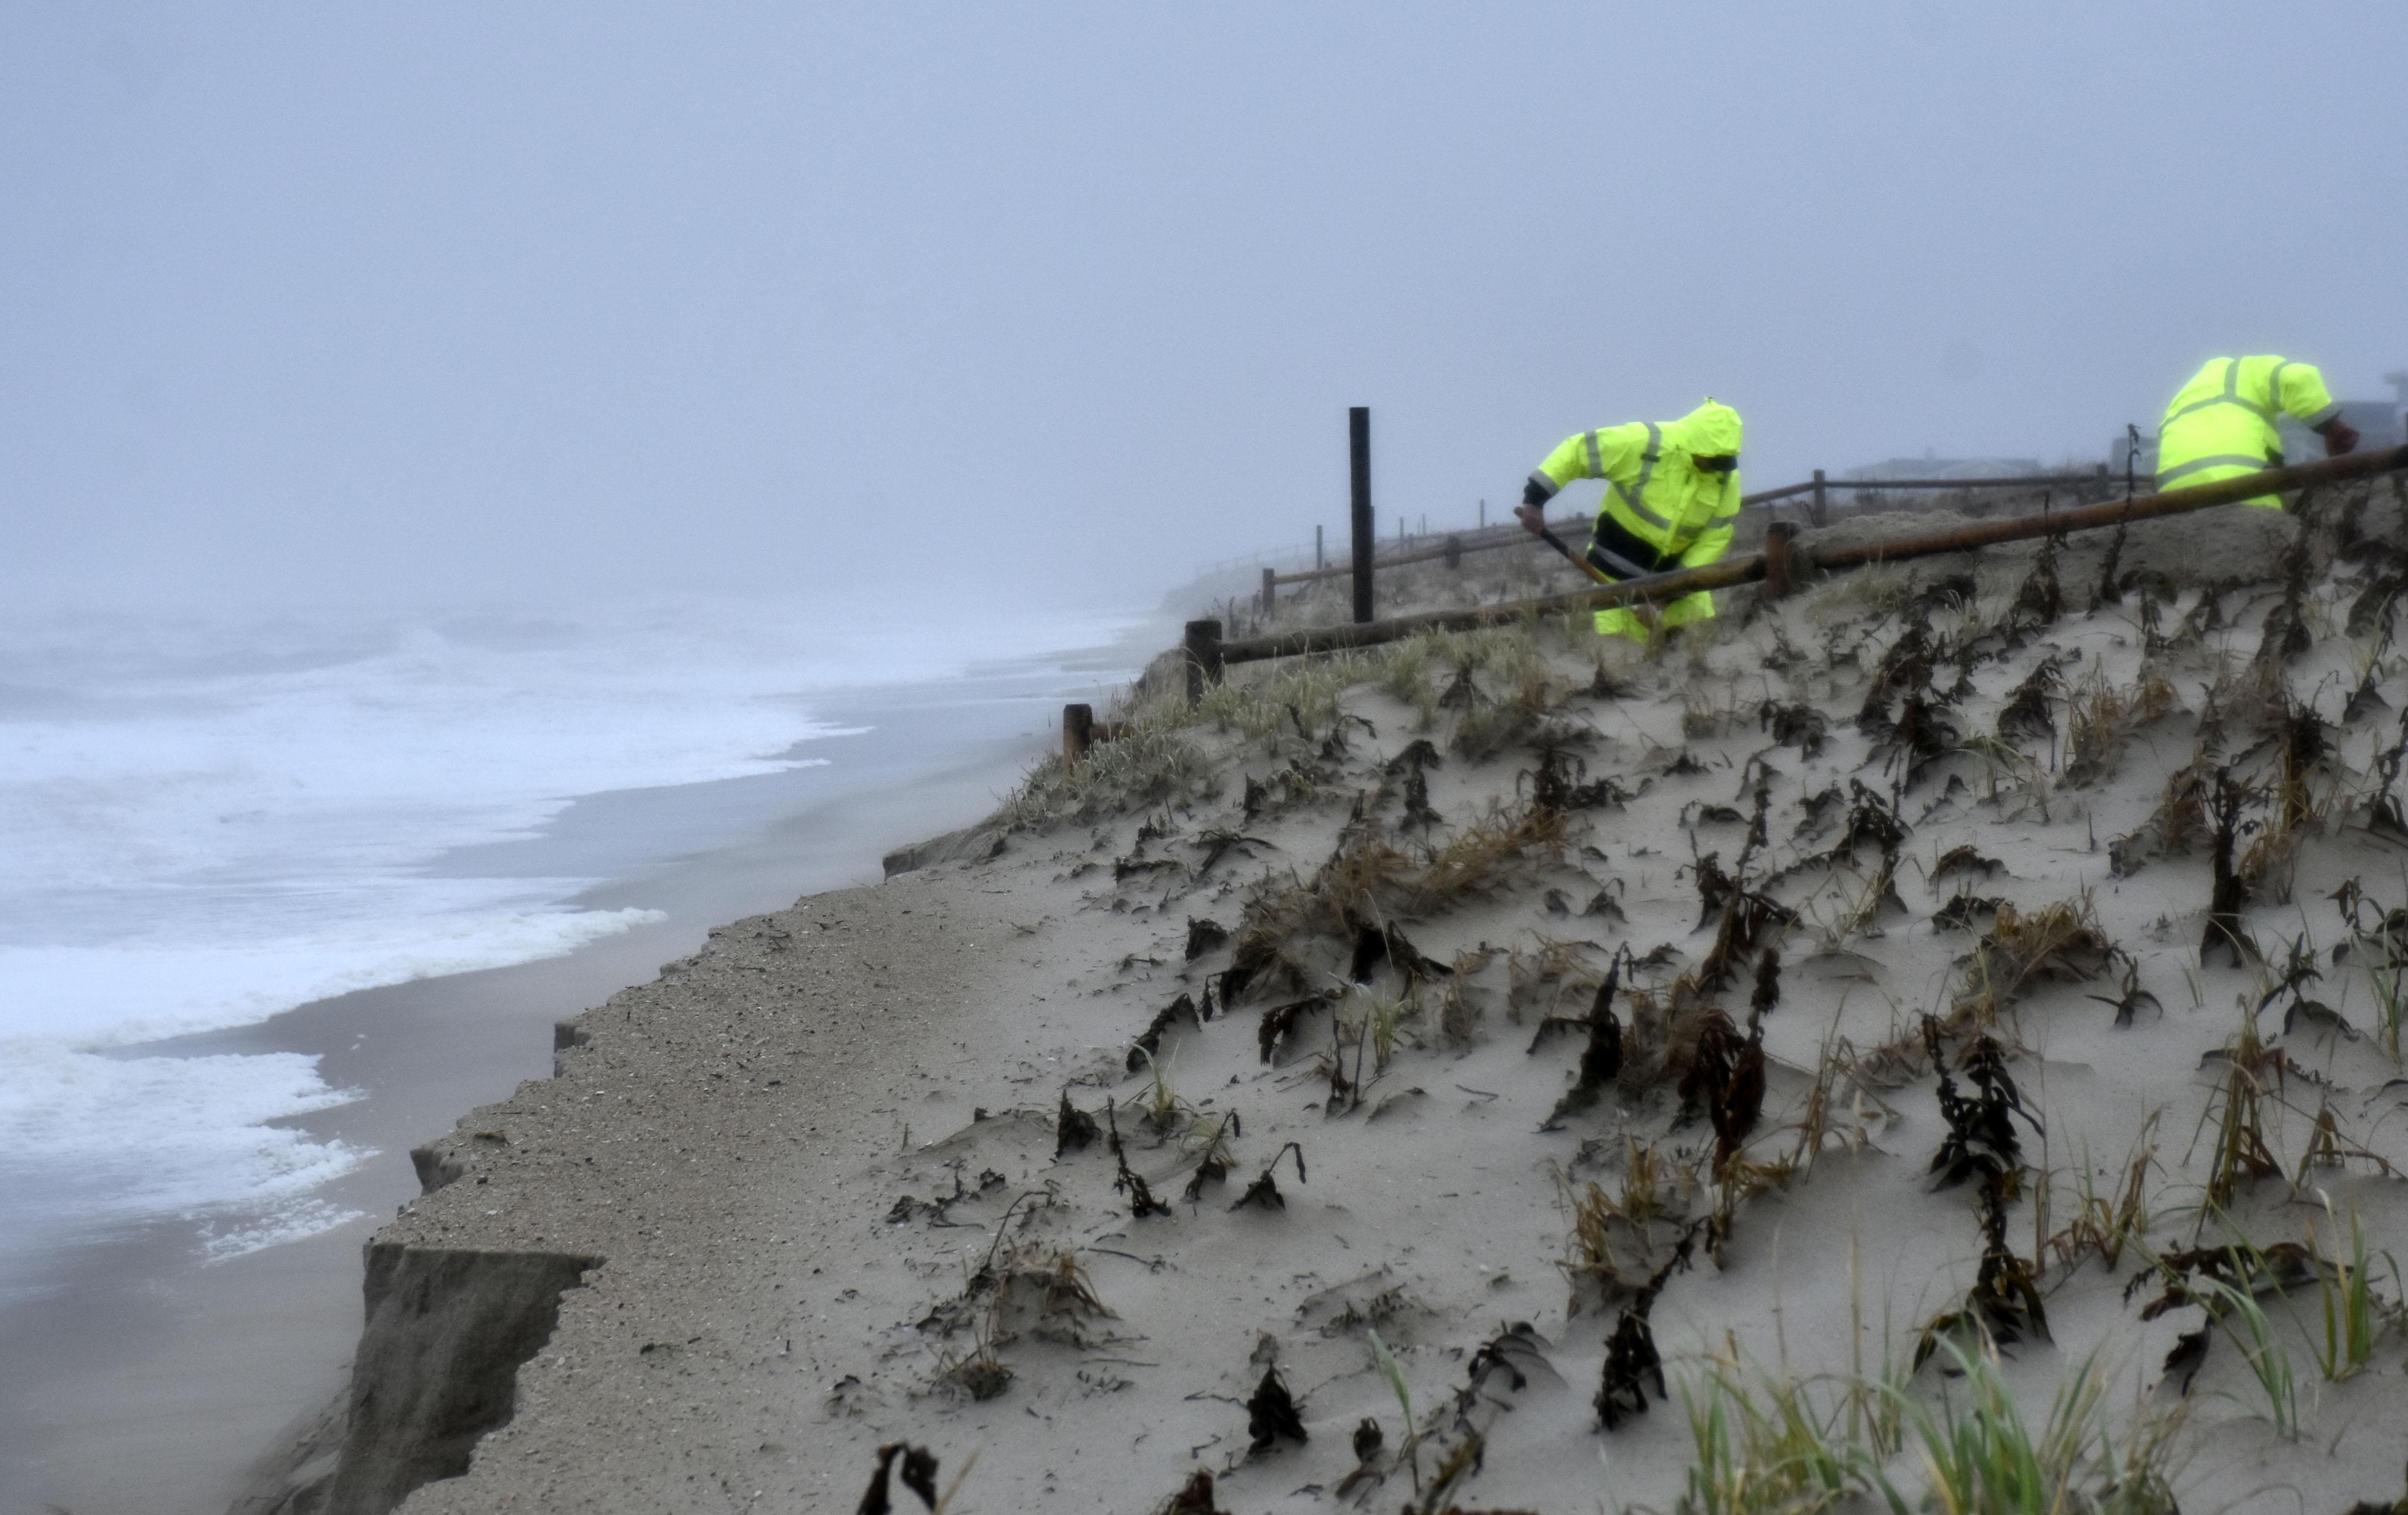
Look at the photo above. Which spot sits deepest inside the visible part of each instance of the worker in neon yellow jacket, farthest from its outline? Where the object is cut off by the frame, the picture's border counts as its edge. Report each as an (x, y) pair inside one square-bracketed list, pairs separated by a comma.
[(2221, 425), (1671, 492)]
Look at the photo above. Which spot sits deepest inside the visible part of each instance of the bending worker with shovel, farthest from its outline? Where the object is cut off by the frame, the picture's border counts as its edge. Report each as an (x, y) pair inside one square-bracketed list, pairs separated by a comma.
[(1672, 491)]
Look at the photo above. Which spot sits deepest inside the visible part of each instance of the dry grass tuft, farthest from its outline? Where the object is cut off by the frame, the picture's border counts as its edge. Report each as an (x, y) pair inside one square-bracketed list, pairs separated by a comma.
[(2062, 941), (2100, 718)]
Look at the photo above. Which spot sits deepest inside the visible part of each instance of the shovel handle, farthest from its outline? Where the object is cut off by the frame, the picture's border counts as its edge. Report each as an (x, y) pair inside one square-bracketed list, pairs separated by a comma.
[(1575, 559)]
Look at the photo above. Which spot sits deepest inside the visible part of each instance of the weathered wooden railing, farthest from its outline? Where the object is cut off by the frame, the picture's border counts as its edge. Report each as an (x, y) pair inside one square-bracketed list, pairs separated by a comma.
[(1452, 548), (1779, 567)]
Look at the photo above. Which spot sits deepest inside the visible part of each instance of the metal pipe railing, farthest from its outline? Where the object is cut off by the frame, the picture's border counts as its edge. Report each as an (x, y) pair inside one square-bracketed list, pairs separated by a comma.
[(1211, 653), (1488, 539)]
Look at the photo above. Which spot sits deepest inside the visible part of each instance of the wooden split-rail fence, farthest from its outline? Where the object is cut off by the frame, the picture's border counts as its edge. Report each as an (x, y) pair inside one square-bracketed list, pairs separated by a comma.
[(1778, 567)]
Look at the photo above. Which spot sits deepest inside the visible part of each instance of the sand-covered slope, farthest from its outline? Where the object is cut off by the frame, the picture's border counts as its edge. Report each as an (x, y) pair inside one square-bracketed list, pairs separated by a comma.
[(2098, 899)]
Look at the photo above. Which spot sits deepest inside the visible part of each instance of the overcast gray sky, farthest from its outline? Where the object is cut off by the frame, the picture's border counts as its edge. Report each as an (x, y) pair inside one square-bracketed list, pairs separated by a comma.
[(553, 300)]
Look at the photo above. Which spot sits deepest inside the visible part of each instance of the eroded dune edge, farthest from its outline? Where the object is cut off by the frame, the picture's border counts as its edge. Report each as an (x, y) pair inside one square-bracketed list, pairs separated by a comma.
[(1936, 1013)]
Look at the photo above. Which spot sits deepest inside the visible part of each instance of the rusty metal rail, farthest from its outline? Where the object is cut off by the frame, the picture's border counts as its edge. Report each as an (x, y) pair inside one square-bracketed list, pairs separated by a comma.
[(1488, 539), (1784, 559)]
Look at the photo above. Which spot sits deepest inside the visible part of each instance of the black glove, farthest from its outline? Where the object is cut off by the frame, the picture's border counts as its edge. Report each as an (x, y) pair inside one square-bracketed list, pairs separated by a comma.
[(2339, 437), (1533, 494)]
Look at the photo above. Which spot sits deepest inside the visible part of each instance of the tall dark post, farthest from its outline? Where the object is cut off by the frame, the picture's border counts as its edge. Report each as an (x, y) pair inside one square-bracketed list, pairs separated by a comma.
[(1358, 446), (1203, 646), (1077, 733), (1780, 564), (1318, 561), (1817, 515)]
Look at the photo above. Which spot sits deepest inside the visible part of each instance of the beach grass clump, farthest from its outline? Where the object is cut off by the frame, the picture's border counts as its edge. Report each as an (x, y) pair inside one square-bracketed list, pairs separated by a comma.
[(1979, 1455), (2062, 941), (1150, 761), (1049, 1297), (1368, 879), (2350, 1313), (2105, 1222), (2243, 1320), (2100, 717), (2237, 1111), (1271, 702), (2381, 950), (1764, 1445)]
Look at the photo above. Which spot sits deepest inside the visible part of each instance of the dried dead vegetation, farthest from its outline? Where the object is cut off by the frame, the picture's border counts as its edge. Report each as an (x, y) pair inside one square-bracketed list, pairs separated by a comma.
[(1662, 1037)]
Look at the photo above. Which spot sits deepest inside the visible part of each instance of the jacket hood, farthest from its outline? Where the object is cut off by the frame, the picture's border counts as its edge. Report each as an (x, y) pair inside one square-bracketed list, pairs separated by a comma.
[(1710, 430)]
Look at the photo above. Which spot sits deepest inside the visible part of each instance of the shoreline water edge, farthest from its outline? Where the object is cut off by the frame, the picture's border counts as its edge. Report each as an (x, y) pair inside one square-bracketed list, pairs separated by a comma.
[(1928, 1030), (147, 1375)]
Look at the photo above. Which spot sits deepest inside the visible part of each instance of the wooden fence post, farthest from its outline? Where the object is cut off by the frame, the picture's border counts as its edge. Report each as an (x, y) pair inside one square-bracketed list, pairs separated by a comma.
[(1779, 567), (1269, 590), (1077, 730), (1358, 448), (1454, 551), (1203, 644), (1815, 513)]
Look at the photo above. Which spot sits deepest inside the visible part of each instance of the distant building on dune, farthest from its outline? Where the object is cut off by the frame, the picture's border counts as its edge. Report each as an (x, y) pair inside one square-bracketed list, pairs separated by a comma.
[(2379, 423), (1931, 465)]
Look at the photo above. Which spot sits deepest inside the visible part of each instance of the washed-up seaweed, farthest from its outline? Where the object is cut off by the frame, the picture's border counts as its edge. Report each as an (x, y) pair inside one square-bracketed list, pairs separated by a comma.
[(1631, 1361), (1272, 1413), (1278, 1021), (1801, 727), (1203, 935), (2242, 1268), (918, 1475), (1148, 1045), (1074, 1130), (2040, 599), (1741, 1100), (1766, 997), (2004, 1302), (1264, 1194), (1921, 736), (1963, 912), (1195, 1497), (2108, 591), (1725, 1079), (2131, 997), (1218, 844), (1214, 1166), (1556, 786), (1745, 919), (1376, 943), (1981, 1140), (2229, 894), (1128, 1180), (1907, 665), (1600, 1060), (1965, 858), (2028, 712)]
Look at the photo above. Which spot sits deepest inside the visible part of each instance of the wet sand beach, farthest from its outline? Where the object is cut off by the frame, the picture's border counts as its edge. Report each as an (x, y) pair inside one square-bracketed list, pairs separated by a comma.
[(149, 1380)]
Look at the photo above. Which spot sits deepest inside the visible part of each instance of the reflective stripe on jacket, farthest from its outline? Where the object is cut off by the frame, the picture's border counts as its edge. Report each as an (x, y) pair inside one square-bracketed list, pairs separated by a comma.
[(1651, 491), (2221, 425)]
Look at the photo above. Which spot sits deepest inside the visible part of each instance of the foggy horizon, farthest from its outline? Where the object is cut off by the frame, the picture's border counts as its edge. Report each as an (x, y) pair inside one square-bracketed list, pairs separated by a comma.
[(312, 306)]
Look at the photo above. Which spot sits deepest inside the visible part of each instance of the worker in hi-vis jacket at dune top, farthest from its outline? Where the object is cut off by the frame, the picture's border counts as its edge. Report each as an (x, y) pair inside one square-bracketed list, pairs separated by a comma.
[(1671, 490), (2221, 425)]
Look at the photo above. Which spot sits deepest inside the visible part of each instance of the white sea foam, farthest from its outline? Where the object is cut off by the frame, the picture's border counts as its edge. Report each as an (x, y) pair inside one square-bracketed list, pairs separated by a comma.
[(203, 823)]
